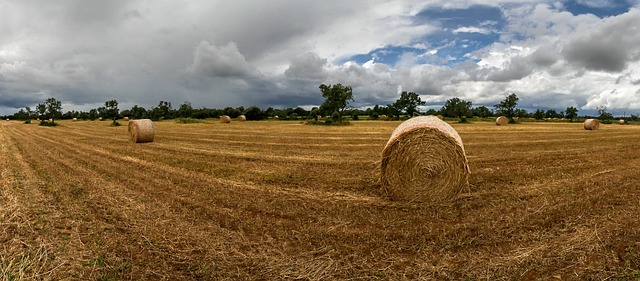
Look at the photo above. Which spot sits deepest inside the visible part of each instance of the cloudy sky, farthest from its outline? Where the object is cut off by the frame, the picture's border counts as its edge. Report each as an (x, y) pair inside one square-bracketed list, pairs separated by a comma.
[(217, 53)]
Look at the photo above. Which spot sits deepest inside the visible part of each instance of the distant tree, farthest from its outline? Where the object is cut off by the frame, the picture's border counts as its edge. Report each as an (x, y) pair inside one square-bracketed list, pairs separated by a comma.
[(456, 107), (521, 113), (255, 113), (137, 112), (111, 111), (551, 113), (185, 110), (507, 107), (538, 114), (605, 116), (53, 108), (571, 112), (408, 103), (482, 112), (431, 111), (165, 110), (337, 98), (41, 108)]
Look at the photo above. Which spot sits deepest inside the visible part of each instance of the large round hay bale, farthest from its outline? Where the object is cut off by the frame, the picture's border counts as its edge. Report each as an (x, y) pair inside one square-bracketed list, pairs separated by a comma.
[(225, 119), (591, 124), (621, 121), (141, 130), (424, 160), (242, 118), (500, 121)]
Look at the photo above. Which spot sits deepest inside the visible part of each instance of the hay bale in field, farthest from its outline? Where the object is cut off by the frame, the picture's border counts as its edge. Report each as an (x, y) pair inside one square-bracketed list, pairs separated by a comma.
[(141, 130), (50, 120), (225, 119), (126, 118), (100, 118), (74, 119), (440, 117), (621, 122), (242, 118), (500, 121), (384, 117), (591, 124), (424, 160)]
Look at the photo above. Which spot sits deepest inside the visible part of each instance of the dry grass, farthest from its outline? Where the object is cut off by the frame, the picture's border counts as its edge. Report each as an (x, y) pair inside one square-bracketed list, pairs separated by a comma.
[(277, 200)]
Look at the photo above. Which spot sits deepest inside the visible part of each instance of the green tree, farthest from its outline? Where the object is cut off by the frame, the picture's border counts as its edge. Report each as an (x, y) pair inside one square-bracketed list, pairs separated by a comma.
[(41, 108), (337, 99), (456, 107), (111, 110), (571, 112), (551, 113), (53, 108), (507, 107), (408, 103), (137, 112), (185, 110), (538, 114), (165, 110), (255, 113), (482, 111)]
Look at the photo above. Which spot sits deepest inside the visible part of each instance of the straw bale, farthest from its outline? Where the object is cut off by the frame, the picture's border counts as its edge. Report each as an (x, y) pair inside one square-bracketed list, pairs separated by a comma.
[(424, 160), (141, 130), (591, 124), (225, 119), (500, 121)]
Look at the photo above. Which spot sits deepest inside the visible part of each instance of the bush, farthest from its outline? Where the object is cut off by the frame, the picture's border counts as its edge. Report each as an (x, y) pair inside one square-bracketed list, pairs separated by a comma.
[(355, 117), (27, 122), (46, 123), (115, 124), (188, 120)]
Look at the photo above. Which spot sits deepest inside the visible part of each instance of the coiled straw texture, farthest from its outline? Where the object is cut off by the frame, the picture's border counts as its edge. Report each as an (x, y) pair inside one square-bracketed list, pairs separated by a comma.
[(141, 130), (424, 160)]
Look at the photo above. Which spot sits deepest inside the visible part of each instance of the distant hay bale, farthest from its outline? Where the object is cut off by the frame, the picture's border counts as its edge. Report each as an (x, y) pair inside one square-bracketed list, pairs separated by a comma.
[(591, 124), (502, 121), (621, 122), (242, 118), (440, 117), (74, 119), (126, 118), (424, 160), (225, 119), (100, 118), (50, 120), (7, 119), (141, 130), (383, 117)]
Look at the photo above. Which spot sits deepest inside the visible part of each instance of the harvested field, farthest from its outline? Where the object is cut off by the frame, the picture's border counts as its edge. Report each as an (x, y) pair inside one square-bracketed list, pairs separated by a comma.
[(279, 200)]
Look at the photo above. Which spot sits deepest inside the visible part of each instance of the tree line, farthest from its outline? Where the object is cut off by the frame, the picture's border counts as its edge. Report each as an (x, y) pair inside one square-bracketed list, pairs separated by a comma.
[(336, 107)]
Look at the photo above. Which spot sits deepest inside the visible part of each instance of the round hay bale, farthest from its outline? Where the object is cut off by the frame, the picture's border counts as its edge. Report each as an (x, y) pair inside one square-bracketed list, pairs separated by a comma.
[(242, 118), (440, 117), (141, 130), (7, 119), (225, 119), (74, 119), (100, 118), (50, 120), (621, 122), (500, 121), (424, 160), (591, 124), (383, 117), (126, 118)]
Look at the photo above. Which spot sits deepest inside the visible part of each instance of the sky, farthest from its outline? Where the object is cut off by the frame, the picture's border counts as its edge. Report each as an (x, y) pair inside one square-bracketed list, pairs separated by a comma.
[(214, 53)]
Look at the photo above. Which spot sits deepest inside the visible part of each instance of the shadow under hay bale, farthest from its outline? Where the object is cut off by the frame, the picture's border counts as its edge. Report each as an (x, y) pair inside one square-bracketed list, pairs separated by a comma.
[(591, 124), (141, 131), (424, 160), (501, 120)]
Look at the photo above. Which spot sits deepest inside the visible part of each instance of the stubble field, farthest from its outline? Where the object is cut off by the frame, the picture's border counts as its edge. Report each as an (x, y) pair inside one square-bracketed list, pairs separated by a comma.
[(281, 200)]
